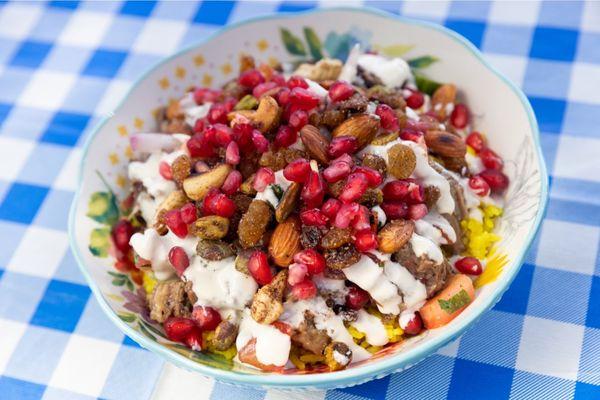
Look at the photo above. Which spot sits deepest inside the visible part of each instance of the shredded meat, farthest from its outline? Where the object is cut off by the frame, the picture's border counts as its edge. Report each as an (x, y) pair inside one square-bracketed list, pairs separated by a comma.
[(433, 276), (309, 337)]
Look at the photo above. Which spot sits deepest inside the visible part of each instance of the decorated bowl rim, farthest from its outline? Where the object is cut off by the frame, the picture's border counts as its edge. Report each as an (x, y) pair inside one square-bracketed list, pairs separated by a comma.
[(356, 375)]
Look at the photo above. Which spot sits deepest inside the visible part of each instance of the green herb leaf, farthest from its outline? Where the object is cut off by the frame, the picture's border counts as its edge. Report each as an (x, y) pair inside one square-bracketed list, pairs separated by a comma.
[(426, 85), (456, 302), (277, 190), (99, 242), (127, 317), (314, 43), (103, 208), (292, 43), (422, 62)]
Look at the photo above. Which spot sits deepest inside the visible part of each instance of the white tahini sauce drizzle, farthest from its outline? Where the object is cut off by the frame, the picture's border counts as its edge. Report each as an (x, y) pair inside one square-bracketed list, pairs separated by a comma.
[(372, 327), (325, 319), (435, 228), (423, 246), (349, 69), (381, 217), (369, 276), (474, 163), (193, 111), (155, 248), (392, 72), (268, 194), (272, 346), (334, 287), (317, 89)]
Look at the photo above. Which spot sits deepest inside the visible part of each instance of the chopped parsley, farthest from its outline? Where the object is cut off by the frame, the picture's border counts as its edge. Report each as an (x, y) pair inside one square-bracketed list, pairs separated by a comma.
[(277, 190), (456, 302)]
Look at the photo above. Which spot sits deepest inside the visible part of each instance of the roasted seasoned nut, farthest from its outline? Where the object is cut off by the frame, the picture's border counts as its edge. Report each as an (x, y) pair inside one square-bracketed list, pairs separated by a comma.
[(456, 164), (213, 250), (357, 103), (285, 241), (225, 335), (309, 337), (196, 187), (401, 161), (254, 223), (265, 118), (311, 236), (384, 139), (444, 95), (169, 298), (445, 144), (315, 143), (375, 162), (323, 70), (337, 356), (181, 168), (267, 304), (288, 202), (247, 187), (363, 127), (342, 257), (211, 227), (241, 260), (278, 159), (329, 118), (394, 235), (336, 237), (372, 197)]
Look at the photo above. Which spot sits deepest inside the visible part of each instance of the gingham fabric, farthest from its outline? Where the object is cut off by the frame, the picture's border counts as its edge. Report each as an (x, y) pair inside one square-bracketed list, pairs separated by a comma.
[(65, 64)]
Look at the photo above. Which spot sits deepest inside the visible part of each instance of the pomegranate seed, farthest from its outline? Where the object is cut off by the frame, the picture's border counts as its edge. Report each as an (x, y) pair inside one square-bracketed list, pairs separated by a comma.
[(330, 208), (232, 182), (395, 209), (298, 119), (417, 211), (365, 240), (207, 202), (314, 261), (296, 273), (345, 215), (497, 180), (263, 178), (469, 266), (285, 137), (476, 141), (199, 125), (164, 169), (337, 171), (459, 117), (297, 170), (412, 135), (278, 79), (414, 326), (205, 95), (297, 81), (396, 190), (313, 190), (217, 114), (416, 193), (179, 259), (194, 339), (388, 118), (355, 187), (189, 213), (304, 290), (313, 217), (177, 328), (201, 167), (415, 100), (284, 328), (230, 103), (373, 177), (490, 159), (479, 186), (357, 298), (232, 154), (121, 234), (340, 91), (222, 206), (223, 134), (260, 141), (258, 266), (210, 134), (206, 317), (251, 78), (199, 146), (242, 133), (283, 97), (342, 145), (361, 220), (176, 224), (262, 88), (303, 99)]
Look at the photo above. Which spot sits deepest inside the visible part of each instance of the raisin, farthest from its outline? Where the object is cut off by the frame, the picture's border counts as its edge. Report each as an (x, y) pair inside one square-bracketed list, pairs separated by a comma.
[(372, 197), (311, 236), (342, 257), (375, 162), (181, 168)]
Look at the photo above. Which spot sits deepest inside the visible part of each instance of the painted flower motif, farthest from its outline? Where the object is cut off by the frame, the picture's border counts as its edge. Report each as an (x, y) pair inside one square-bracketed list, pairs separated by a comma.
[(136, 303), (339, 45)]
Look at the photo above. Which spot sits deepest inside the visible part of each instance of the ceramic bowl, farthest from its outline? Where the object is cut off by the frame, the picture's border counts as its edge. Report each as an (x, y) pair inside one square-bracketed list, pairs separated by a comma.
[(499, 109)]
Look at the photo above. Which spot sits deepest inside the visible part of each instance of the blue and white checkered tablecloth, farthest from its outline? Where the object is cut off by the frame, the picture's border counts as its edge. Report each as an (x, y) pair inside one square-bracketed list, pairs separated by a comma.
[(65, 64)]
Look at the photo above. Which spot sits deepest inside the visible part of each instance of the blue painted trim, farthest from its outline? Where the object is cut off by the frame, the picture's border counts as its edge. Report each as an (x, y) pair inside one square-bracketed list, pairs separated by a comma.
[(352, 376)]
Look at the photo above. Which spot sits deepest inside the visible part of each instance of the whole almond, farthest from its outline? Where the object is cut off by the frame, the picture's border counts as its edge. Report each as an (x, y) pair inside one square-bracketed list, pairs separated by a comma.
[(394, 235), (285, 242), (363, 127), (445, 144), (288, 201), (401, 161), (316, 144), (196, 187), (444, 95)]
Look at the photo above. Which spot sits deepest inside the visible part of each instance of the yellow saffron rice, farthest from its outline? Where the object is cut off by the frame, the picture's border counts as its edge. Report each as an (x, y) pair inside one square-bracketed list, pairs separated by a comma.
[(148, 282), (478, 235)]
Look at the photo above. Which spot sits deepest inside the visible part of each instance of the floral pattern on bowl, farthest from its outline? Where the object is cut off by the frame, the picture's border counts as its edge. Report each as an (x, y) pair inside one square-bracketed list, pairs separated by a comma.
[(306, 36)]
